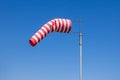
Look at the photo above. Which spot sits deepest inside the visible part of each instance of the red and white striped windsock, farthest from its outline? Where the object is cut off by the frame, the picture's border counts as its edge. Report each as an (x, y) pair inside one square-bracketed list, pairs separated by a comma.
[(55, 25)]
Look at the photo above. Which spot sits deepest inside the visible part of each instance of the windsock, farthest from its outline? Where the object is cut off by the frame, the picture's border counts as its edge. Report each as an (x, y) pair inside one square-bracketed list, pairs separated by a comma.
[(55, 25)]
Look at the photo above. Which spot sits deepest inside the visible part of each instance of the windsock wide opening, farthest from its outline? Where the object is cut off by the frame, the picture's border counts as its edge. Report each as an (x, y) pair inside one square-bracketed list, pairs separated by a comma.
[(32, 42)]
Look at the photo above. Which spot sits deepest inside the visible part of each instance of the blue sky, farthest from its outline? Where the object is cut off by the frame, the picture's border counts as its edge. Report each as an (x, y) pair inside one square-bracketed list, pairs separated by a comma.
[(57, 56)]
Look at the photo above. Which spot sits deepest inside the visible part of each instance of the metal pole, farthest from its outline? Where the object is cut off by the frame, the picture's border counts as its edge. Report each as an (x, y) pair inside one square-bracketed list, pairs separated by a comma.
[(80, 36), (80, 45)]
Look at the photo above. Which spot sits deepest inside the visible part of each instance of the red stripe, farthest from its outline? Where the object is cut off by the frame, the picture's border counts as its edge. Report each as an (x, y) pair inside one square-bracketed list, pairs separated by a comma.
[(52, 26), (55, 24), (58, 25)]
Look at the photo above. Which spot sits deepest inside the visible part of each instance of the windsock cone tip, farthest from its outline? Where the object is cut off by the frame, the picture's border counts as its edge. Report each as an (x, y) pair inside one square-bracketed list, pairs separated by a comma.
[(32, 42)]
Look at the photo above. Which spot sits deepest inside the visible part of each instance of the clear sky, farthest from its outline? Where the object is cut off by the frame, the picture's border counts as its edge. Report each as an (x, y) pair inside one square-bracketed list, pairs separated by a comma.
[(57, 56)]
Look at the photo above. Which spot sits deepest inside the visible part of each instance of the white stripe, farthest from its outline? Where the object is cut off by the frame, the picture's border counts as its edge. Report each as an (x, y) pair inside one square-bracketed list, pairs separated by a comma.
[(42, 33), (60, 24), (64, 25), (57, 22), (45, 30), (35, 38), (68, 25), (52, 25), (38, 35), (48, 27), (50, 22)]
